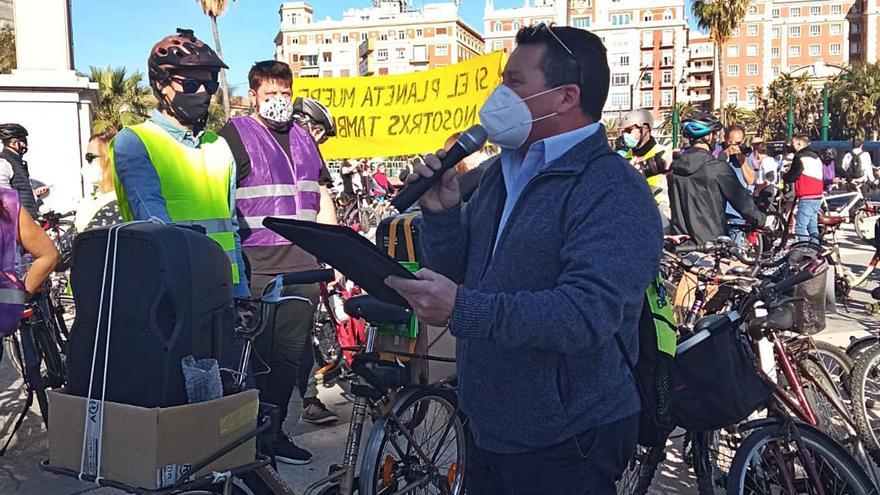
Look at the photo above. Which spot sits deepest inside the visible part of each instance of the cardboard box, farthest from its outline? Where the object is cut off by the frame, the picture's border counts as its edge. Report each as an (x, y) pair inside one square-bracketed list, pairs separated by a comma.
[(150, 448)]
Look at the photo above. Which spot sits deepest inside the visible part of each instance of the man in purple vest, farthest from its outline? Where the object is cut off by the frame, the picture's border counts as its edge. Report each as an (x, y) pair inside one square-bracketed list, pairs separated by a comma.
[(281, 174)]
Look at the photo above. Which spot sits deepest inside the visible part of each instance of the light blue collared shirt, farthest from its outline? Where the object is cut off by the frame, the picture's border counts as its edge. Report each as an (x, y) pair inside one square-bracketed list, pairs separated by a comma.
[(518, 170)]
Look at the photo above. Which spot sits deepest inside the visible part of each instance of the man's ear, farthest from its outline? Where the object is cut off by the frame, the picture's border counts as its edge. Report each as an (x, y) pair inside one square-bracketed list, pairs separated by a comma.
[(571, 98)]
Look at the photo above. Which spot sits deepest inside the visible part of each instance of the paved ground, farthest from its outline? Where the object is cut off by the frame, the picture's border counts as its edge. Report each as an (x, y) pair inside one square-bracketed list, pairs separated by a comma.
[(19, 473)]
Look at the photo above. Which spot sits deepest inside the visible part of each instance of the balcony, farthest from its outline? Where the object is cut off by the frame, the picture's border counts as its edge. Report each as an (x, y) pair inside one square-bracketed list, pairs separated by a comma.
[(309, 72), (699, 83), (703, 68), (648, 44), (367, 67), (667, 42), (366, 47), (697, 97)]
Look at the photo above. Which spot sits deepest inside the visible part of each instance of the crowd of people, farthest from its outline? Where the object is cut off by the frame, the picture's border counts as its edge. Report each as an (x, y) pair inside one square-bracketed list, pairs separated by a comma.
[(517, 242)]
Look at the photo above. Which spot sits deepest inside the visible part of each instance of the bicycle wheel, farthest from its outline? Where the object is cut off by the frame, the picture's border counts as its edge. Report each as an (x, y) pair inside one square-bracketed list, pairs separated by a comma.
[(838, 364), (863, 224), (865, 385), (827, 403), (640, 470), (770, 462), (390, 461)]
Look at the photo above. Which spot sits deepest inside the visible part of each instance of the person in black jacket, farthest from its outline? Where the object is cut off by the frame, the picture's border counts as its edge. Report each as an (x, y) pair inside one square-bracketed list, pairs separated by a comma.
[(701, 186), (15, 145)]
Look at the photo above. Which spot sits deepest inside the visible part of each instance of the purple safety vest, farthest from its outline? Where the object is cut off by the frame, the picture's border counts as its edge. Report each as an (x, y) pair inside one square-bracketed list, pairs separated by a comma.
[(276, 186), (12, 294)]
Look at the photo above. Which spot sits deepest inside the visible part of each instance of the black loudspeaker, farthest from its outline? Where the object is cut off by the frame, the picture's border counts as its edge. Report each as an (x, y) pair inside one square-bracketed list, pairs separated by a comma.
[(172, 298)]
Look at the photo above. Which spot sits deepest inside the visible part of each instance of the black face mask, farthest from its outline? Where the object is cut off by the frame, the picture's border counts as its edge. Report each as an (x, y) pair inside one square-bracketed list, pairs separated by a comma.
[(191, 109)]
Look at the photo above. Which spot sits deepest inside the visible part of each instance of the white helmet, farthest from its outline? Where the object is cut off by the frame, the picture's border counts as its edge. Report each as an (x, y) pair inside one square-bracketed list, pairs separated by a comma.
[(637, 117)]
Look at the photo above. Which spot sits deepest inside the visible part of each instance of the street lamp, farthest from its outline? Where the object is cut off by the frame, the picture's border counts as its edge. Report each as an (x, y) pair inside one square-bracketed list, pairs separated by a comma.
[(826, 118), (790, 132), (676, 118)]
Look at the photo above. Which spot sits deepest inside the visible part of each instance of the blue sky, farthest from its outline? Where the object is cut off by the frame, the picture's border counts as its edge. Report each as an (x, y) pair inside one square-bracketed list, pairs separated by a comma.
[(121, 32)]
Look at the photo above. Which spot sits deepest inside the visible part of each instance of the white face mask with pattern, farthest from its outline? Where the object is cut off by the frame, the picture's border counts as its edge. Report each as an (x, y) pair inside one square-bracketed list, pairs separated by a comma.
[(276, 111)]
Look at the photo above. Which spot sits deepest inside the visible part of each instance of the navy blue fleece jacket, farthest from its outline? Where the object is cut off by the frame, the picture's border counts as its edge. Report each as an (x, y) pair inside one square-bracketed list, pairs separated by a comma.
[(537, 361)]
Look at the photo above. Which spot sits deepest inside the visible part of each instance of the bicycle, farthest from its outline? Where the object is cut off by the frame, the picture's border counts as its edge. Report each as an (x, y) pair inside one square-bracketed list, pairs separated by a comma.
[(857, 210), (357, 214), (409, 445), (844, 278), (37, 351)]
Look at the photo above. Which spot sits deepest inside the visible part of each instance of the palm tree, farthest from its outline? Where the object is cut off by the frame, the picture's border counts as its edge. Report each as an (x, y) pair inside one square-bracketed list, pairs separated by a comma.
[(123, 99), (731, 114), (214, 9), (720, 18), (855, 102), (7, 49)]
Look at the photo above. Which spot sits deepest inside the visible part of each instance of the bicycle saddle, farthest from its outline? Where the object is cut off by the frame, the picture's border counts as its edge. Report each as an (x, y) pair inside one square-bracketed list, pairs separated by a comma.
[(375, 311), (831, 220)]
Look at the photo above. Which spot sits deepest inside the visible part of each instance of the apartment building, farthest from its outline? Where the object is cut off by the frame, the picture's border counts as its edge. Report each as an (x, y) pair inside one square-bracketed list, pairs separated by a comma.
[(646, 42), (700, 70), (389, 37), (786, 36)]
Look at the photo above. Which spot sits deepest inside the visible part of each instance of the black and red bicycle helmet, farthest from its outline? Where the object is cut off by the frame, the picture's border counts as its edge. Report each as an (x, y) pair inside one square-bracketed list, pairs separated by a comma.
[(181, 51)]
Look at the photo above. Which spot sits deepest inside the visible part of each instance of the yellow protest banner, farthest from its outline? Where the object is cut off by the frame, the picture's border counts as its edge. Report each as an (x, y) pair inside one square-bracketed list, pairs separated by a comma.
[(402, 114)]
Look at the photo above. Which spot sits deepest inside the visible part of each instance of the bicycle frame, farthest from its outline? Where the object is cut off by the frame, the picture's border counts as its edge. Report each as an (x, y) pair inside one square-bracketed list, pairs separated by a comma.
[(846, 210)]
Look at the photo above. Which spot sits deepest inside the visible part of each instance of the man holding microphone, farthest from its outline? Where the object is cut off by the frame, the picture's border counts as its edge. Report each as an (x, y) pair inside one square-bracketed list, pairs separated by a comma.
[(536, 273)]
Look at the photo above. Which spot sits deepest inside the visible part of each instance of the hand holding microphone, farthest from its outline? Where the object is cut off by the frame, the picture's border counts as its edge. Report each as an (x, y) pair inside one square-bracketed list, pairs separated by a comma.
[(434, 184)]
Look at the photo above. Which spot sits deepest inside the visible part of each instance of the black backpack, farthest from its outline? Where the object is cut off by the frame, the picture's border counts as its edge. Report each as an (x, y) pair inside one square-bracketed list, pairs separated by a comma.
[(855, 170), (653, 372)]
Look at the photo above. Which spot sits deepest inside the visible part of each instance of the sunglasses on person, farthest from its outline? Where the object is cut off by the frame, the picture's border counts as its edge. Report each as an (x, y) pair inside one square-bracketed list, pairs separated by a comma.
[(542, 25), (91, 156), (191, 86)]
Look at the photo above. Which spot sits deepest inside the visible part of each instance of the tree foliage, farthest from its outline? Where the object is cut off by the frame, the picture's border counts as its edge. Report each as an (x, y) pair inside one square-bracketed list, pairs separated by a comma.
[(773, 107), (685, 110), (7, 50), (854, 97), (123, 99)]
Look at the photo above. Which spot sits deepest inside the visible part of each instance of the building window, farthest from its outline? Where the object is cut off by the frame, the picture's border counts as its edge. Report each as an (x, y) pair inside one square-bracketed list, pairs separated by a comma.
[(581, 22), (667, 15), (401, 53), (419, 33), (647, 38), (441, 50), (735, 32), (752, 50), (327, 41), (775, 13), (623, 61), (401, 35), (310, 60), (855, 28), (732, 95), (732, 70), (752, 95), (794, 32), (620, 19), (666, 37), (328, 56), (345, 38), (834, 48), (293, 40), (835, 29), (774, 52), (794, 51), (776, 33), (620, 100), (498, 45), (753, 9), (793, 67), (420, 52), (328, 73), (816, 30), (667, 59), (620, 79), (855, 47), (794, 12), (498, 26), (647, 59), (733, 51), (442, 31), (648, 99), (815, 50), (752, 69), (836, 10), (294, 58), (344, 73), (816, 10), (382, 54), (363, 36), (516, 25), (648, 17), (752, 30), (383, 37), (666, 98), (647, 79), (666, 77), (775, 70), (856, 8)]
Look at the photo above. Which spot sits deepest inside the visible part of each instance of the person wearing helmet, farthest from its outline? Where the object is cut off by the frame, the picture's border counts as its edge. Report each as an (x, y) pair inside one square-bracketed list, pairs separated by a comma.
[(14, 171), (644, 153), (280, 174), (315, 117), (701, 185), (161, 166)]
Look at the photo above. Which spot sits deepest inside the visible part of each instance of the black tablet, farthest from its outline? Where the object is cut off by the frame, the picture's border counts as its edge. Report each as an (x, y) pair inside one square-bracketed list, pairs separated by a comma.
[(347, 251)]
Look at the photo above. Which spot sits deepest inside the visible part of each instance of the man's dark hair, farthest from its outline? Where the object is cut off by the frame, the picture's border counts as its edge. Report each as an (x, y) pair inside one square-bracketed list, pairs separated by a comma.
[(588, 57), (760, 147), (269, 70), (734, 127), (857, 143), (803, 138)]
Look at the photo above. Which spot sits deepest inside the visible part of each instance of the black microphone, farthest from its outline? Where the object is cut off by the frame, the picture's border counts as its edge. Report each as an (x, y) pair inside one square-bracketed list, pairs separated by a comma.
[(467, 144)]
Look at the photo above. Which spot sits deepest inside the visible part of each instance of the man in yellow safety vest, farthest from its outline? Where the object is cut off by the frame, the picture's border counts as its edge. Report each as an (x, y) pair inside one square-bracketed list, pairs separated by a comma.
[(644, 153)]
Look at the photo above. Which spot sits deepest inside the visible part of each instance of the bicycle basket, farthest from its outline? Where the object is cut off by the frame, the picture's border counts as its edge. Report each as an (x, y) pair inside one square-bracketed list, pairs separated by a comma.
[(716, 382), (809, 308)]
